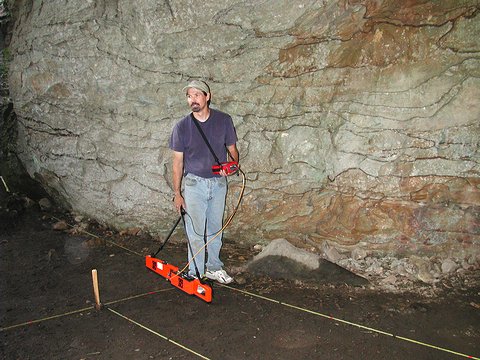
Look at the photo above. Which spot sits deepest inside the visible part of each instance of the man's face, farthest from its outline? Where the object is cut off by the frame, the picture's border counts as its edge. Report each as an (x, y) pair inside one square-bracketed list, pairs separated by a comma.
[(197, 100)]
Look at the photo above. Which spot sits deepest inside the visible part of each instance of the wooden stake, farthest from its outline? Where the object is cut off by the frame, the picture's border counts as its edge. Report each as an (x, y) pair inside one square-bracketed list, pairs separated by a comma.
[(96, 292)]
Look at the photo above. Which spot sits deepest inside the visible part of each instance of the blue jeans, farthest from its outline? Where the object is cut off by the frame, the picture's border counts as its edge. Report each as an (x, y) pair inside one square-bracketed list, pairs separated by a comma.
[(205, 202)]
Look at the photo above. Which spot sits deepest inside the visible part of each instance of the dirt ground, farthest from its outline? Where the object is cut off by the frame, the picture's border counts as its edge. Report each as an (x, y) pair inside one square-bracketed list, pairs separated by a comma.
[(47, 311)]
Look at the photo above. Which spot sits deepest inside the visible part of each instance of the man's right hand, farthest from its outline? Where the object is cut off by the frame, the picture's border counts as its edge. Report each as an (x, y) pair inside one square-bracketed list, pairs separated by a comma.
[(179, 202)]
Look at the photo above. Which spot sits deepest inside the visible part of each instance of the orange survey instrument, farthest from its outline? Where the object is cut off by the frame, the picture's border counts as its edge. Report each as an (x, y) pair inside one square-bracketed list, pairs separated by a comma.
[(190, 285)]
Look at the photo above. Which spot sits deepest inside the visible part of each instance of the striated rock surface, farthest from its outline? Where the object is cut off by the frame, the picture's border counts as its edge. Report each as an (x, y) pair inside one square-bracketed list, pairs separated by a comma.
[(358, 120)]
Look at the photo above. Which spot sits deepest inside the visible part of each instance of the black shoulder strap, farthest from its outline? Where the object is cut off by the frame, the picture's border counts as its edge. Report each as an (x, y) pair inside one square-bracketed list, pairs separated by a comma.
[(195, 121)]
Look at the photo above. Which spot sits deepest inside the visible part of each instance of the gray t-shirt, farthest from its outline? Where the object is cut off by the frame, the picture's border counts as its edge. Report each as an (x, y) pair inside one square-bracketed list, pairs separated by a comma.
[(197, 158)]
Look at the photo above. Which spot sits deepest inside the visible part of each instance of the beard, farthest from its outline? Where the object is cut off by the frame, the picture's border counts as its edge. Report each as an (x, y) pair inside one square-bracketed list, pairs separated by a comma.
[(195, 107)]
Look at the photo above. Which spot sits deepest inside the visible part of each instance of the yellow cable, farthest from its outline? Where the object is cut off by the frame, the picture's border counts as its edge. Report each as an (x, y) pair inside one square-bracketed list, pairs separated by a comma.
[(44, 319), (5, 184)]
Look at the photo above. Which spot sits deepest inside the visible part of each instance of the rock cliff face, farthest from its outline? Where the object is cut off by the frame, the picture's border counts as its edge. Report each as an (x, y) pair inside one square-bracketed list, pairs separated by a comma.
[(358, 121)]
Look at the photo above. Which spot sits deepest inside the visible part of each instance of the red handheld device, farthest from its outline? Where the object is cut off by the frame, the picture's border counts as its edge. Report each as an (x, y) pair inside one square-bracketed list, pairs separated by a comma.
[(230, 168)]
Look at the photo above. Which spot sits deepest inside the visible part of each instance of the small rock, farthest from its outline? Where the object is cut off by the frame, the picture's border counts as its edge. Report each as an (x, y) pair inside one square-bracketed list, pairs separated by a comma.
[(45, 204), (240, 280), (28, 202), (400, 270), (359, 254), (475, 305), (52, 255), (375, 268), (422, 264), (397, 263), (409, 268), (60, 225), (472, 260), (390, 279), (423, 269), (131, 231), (425, 276), (448, 266), (94, 242), (79, 228), (258, 247), (331, 253)]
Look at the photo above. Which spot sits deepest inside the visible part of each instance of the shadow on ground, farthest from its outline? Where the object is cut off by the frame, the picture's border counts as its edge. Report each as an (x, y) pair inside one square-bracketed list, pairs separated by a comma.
[(281, 267)]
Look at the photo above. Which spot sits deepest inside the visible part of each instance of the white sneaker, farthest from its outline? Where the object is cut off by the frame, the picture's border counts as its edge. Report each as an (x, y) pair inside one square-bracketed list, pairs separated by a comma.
[(220, 275)]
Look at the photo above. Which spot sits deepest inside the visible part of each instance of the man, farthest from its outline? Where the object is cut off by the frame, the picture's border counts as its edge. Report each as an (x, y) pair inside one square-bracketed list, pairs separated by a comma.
[(204, 193)]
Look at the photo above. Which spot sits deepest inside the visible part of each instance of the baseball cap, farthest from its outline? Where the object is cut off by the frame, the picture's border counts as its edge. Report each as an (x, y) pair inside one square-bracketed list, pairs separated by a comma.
[(197, 84)]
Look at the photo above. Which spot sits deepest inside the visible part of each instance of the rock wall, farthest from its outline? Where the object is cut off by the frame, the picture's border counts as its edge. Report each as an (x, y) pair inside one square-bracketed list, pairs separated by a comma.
[(358, 121)]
